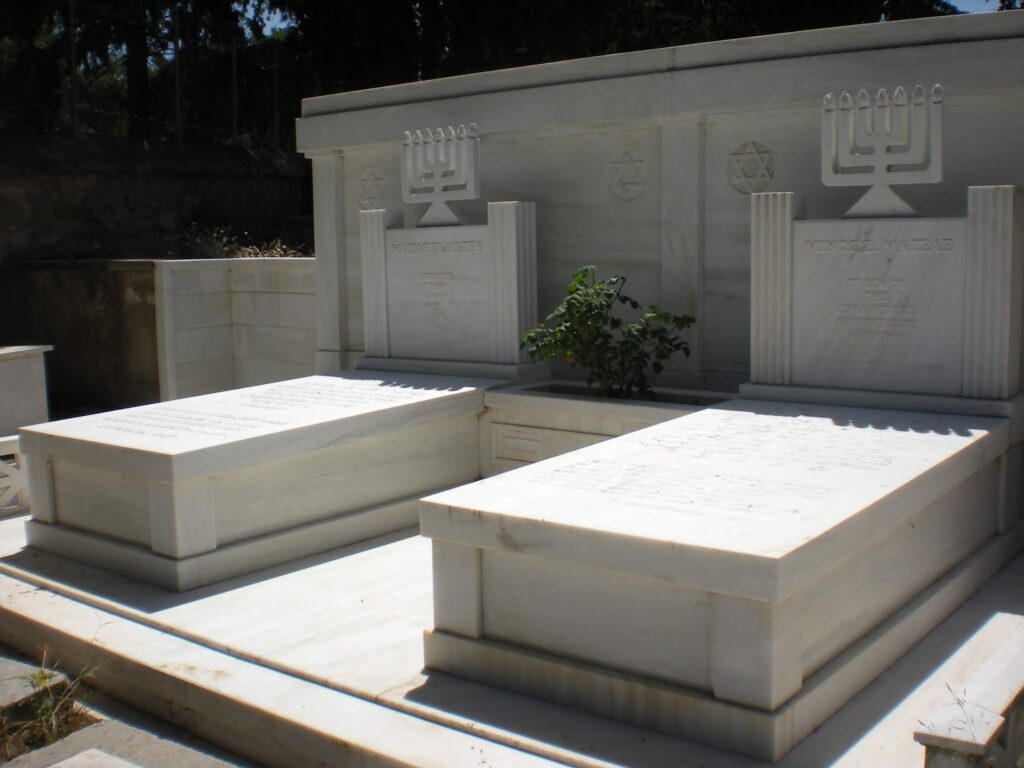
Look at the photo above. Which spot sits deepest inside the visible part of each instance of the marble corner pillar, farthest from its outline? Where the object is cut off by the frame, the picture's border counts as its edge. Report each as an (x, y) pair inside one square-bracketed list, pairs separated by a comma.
[(331, 261), (992, 301), (771, 280)]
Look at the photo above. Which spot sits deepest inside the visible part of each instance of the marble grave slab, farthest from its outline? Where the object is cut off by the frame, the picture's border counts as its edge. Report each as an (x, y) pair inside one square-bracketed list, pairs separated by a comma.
[(694, 576), (191, 491)]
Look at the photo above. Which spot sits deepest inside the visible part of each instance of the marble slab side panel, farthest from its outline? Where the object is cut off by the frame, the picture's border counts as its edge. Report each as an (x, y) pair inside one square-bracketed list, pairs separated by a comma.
[(297, 490), (272, 342), (101, 501), (289, 310), (878, 304), (201, 310), (866, 587), (22, 392), (610, 619)]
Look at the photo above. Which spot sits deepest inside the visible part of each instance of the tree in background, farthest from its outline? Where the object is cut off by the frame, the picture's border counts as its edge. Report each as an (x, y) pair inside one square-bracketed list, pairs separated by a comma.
[(235, 71)]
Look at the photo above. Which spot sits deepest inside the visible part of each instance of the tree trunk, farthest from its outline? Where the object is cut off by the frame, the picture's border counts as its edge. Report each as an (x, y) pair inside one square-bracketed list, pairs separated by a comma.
[(137, 74)]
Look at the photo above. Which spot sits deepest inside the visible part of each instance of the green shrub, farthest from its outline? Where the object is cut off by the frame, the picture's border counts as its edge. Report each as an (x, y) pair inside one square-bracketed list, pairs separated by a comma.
[(617, 356)]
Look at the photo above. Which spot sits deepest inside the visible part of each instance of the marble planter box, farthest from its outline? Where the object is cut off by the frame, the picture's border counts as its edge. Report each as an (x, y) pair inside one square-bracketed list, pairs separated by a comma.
[(189, 492), (732, 576), (526, 423)]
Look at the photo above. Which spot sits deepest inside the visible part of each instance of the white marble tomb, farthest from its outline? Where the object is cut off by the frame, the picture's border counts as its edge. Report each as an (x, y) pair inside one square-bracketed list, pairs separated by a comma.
[(736, 575), (711, 576), (196, 490)]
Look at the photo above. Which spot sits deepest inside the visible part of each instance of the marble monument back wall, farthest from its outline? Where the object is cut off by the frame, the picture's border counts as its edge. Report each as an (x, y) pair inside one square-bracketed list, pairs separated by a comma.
[(643, 163)]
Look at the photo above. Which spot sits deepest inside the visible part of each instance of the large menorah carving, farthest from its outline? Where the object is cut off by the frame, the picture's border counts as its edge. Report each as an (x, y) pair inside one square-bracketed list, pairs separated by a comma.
[(890, 140), (440, 166)]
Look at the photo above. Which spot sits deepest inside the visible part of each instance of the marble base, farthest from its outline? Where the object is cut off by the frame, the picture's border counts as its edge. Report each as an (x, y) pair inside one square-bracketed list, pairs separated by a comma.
[(191, 491), (698, 716), (182, 574), (728, 557)]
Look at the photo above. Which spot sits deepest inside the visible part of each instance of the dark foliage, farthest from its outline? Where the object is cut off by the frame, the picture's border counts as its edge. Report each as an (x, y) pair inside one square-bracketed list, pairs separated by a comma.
[(235, 72)]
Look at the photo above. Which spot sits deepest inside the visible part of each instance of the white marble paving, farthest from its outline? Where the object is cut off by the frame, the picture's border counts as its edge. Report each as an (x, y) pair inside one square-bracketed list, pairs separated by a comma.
[(366, 639)]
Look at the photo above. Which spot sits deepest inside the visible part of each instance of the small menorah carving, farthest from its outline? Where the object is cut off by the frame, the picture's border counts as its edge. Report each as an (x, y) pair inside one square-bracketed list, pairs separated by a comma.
[(439, 166), (895, 140)]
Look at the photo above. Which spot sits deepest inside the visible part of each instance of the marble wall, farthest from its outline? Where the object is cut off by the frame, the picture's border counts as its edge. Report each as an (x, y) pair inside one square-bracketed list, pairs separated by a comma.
[(644, 163), (226, 323)]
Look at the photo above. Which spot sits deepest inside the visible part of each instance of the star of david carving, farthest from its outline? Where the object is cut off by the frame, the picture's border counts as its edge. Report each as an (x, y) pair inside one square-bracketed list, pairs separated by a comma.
[(371, 190), (626, 179), (751, 167)]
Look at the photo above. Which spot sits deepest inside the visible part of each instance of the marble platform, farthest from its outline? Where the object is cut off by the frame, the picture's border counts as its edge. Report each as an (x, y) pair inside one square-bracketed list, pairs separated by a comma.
[(712, 575), (188, 492), (285, 668)]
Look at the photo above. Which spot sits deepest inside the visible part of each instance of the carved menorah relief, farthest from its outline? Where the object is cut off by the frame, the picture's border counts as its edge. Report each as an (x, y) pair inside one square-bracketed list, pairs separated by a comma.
[(439, 166), (888, 140)]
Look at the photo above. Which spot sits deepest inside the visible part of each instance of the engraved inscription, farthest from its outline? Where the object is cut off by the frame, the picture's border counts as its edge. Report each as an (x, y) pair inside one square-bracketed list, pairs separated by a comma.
[(818, 444), (655, 487), (742, 466), (167, 423), (436, 292), (346, 393), (438, 247), (877, 310), (254, 411), (439, 294), (877, 304)]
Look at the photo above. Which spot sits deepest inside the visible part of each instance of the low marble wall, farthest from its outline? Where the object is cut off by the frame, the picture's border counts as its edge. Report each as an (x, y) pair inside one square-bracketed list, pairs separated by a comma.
[(644, 163), (227, 323)]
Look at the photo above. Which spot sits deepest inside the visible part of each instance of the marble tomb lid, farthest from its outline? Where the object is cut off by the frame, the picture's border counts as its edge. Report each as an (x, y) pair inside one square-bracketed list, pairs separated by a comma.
[(198, 436), (747, 498)]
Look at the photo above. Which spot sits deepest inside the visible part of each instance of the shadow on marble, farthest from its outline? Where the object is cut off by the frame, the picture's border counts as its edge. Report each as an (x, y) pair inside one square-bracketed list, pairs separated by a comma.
[(149, 599), (572, 736), (873, 419), (516, 718)]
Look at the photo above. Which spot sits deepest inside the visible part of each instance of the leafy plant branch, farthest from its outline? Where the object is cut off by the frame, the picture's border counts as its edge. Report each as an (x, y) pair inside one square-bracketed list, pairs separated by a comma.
[(617, 356)]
